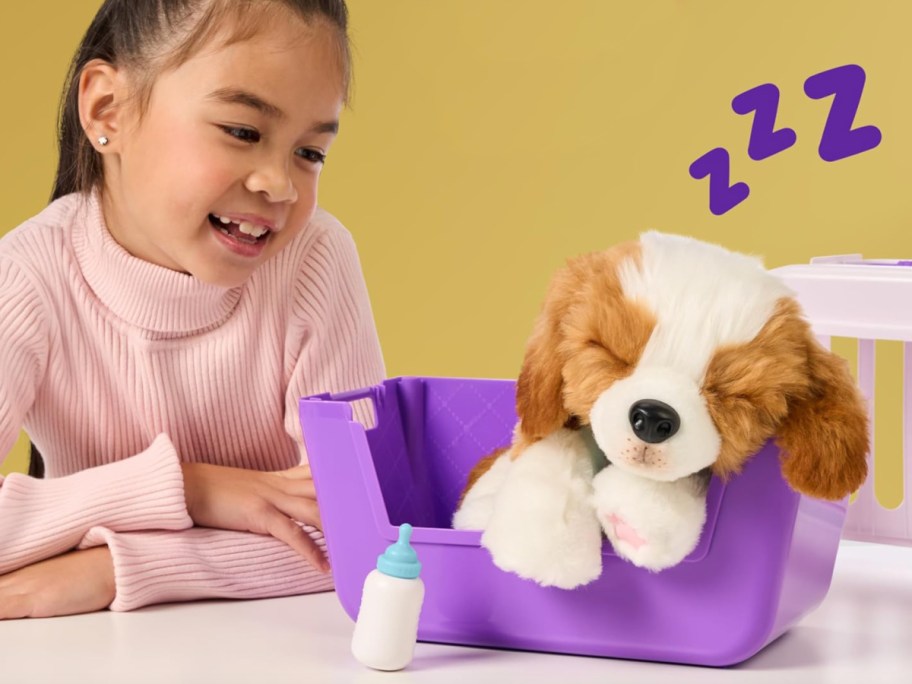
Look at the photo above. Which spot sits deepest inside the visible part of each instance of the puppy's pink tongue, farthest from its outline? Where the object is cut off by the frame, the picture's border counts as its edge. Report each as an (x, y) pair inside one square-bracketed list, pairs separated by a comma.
[(626, 533)]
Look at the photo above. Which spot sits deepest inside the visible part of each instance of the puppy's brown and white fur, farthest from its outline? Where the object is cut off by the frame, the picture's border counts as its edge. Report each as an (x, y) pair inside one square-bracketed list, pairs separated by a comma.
[(705, 331)]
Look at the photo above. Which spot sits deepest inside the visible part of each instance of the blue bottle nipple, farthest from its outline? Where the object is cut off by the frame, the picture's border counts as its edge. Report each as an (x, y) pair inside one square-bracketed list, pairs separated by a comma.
[(400, 559)]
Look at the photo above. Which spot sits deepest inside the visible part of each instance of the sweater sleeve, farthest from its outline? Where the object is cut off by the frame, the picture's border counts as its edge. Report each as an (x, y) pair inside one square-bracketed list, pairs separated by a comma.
[(43, 518), (340, 347), (159, 566), (24, 348), (332, 346)]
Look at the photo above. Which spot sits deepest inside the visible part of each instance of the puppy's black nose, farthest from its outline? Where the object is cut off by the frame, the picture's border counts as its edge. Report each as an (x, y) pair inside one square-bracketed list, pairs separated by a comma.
[(654, 421)]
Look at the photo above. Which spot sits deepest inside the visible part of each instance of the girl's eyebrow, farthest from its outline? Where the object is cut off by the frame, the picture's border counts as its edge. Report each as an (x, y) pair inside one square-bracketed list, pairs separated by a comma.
[(243, 97)]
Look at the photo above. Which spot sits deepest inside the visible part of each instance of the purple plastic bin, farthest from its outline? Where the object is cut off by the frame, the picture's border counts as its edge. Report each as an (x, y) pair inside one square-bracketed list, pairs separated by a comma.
[(765, 560)]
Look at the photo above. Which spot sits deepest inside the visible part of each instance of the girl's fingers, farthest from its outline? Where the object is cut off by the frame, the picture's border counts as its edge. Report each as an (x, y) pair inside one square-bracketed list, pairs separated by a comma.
[(13, 607), (301, 488), (287, 530), (296, 473), (300, 509), (75, 582), (296, 481)]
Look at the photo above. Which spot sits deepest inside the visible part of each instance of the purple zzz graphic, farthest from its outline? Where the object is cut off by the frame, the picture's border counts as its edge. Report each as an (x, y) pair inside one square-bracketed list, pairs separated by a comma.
[(722, 196), (839, 140), (764, 141)]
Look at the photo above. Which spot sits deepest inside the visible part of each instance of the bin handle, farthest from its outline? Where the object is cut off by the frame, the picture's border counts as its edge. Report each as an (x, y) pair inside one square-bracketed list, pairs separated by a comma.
[(352, 395)]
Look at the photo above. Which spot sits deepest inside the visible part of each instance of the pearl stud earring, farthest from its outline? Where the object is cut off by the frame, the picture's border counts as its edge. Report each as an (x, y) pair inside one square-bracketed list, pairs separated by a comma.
[(102, 141)]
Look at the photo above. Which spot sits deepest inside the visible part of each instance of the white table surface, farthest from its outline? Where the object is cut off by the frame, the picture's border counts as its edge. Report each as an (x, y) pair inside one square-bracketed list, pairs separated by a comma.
[(862, 633)]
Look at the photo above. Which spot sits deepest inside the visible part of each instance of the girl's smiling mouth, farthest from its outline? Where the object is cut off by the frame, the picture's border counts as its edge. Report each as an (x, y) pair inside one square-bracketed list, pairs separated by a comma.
[(243, 238)]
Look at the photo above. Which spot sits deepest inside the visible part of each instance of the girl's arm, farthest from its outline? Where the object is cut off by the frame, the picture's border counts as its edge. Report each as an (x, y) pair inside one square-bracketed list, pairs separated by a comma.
[(44, 518), (159, 566), (335, 348)]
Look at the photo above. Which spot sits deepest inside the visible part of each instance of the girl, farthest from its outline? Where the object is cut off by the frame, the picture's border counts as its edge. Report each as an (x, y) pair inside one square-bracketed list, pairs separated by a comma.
[(162, 317)]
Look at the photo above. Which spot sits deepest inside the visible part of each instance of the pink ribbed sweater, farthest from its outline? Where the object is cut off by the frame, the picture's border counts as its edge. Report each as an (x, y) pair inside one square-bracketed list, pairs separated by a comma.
[(119, 369)]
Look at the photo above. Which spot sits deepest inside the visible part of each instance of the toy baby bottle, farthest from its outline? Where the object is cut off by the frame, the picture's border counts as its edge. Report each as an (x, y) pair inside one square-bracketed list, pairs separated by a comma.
[(387, 624)]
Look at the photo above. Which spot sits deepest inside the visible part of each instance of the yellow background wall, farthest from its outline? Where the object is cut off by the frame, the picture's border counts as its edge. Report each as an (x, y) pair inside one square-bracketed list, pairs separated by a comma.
[(489, 141)]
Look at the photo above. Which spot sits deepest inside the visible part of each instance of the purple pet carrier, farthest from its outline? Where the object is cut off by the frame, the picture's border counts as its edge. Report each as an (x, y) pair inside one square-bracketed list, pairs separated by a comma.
[(765, 559)]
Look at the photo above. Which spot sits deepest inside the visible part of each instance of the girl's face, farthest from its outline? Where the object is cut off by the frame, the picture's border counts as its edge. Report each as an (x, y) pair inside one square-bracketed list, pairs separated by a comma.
[(221, 171)]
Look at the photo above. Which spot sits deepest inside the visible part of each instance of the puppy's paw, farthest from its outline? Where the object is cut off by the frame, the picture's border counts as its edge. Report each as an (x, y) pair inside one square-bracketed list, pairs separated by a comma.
[(542, 526), (564, 554), (477, 506), (654, 525)]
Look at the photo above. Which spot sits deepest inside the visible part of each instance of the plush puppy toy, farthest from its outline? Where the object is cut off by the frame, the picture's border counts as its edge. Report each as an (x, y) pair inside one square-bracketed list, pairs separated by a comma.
[(652, 366)]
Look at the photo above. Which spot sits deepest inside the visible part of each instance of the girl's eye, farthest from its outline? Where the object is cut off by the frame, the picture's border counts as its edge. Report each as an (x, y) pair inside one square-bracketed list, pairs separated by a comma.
[(250, 135), (314, 156), (245, 134)]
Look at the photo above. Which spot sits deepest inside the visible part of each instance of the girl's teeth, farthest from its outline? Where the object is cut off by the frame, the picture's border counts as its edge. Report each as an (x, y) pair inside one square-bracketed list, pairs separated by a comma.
[(250, 229), (245, 227)]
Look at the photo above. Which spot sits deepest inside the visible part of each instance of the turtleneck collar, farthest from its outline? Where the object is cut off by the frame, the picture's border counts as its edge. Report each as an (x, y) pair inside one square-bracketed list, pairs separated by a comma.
[(142, 293)]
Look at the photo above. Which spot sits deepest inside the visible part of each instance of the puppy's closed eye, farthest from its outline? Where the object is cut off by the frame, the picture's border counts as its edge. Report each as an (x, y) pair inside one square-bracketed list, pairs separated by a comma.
[(609, 355), (600, 346)]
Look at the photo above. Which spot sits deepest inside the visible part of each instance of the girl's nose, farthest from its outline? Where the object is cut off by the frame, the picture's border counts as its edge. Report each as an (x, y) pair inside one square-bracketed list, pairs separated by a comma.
[(274, 181)]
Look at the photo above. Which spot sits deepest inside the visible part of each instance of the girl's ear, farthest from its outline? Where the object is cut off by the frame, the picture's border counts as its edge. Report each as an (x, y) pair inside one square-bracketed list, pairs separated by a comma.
[(825, 435), (101, 95)]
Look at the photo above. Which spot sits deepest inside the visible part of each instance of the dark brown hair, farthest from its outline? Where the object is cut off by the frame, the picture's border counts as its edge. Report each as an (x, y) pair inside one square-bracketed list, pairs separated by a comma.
[(149, 37)]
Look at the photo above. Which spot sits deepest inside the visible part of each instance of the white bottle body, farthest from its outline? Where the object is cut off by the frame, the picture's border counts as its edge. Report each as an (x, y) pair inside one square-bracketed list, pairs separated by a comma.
[(387, 625)]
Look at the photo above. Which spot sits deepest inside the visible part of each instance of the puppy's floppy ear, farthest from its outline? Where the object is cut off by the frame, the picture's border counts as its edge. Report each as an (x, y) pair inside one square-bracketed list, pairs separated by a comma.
[(825, 435), (539, 388)]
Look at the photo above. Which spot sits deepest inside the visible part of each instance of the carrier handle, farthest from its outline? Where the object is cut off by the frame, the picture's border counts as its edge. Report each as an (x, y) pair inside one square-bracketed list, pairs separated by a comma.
[(352, 395)]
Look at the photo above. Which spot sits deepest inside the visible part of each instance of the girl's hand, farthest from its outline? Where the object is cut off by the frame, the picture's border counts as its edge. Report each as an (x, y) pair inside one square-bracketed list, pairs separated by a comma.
[(76, 582), (254, 501)]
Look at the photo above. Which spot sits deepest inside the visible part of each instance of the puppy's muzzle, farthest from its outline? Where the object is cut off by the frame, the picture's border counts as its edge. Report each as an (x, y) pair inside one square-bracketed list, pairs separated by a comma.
[(653, 421)]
